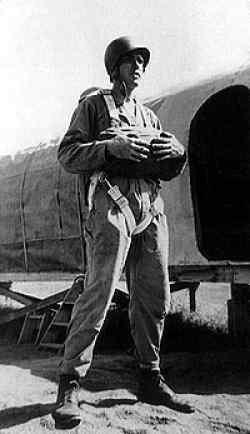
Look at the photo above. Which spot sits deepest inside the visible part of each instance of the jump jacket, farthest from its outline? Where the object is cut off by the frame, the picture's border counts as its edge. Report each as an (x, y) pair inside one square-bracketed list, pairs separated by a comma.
[(80, 151)]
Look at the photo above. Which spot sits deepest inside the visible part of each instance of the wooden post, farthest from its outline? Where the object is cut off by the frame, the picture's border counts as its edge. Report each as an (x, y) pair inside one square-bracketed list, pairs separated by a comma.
[(192, 293), (239, 313), (191, 286)]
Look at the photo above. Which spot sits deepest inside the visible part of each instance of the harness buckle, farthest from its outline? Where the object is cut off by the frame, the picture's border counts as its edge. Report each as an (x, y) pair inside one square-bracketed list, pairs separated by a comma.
[(104, 180), (122, 202), (117, 196)]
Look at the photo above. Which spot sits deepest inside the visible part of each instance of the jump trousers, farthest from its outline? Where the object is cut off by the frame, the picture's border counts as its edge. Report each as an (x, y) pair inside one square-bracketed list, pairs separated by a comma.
[(109, 250)]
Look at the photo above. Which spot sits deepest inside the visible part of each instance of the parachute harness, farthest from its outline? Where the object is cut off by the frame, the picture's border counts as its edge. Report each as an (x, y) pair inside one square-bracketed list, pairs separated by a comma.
[(122, 202), (113, 190)]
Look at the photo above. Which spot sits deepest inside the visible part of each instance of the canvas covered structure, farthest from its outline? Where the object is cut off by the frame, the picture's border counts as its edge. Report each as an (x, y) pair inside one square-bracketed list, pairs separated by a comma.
[(207, 206), (42, 212), (41, 218)]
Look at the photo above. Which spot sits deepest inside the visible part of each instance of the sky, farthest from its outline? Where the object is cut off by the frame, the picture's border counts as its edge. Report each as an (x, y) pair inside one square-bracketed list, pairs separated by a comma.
[(52, 50)]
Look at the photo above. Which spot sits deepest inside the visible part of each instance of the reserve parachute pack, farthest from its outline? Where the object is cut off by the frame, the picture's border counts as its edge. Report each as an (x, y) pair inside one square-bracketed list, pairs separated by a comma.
[(149, 168), (165, 170)]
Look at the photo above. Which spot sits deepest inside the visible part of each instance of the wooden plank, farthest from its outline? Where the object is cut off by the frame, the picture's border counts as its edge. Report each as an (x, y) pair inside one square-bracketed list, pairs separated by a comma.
[(178, 286), (41, 277), (5, 284), (40, 329), (31, 329), (18, 296), (52, 346), (221, 271), (42, 304), (57, 329)]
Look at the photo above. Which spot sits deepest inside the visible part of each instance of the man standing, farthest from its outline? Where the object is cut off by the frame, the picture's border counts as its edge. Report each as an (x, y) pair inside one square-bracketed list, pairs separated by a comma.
[(126, 226)]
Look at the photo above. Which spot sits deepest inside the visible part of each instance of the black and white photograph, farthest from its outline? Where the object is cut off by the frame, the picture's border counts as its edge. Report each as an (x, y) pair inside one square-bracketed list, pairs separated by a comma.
[(125, 217)]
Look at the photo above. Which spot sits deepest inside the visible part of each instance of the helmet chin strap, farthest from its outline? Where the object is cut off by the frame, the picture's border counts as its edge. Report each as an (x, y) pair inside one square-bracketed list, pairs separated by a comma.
[(121, 86), (123, 89)]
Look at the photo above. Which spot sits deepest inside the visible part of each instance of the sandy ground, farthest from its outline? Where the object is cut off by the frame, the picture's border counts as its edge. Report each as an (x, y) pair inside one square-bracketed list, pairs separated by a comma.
[(218, 384)]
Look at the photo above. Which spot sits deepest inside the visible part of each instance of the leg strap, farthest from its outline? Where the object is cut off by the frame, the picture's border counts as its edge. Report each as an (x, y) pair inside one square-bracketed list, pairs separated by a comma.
[(123, 203)]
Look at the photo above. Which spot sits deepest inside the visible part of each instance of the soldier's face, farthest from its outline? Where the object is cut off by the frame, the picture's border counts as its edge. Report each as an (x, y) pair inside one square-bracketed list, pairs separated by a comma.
[(132, 69)]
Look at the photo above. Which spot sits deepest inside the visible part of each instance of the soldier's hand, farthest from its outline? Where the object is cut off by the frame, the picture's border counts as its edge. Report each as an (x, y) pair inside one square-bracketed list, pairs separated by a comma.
[(129, 148), (167, 146)]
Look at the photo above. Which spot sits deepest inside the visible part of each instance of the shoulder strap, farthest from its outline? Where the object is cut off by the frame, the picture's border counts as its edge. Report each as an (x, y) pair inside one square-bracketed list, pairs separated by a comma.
[(110, 104), (143, 114), (108, 98)]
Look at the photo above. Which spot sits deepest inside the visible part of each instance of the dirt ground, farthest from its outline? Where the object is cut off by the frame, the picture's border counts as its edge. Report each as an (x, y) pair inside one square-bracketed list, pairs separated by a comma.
[(218, 384)]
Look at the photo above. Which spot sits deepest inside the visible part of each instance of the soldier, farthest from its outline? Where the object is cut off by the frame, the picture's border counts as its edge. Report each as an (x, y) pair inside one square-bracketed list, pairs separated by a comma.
[(126, 226)]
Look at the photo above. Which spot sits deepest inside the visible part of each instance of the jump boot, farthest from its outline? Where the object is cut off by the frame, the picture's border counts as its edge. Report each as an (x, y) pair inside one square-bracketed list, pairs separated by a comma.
[(67, 414), (154, 390)]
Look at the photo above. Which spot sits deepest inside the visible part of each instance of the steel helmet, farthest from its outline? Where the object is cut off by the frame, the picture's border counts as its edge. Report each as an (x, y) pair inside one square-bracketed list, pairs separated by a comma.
[(120, 47)]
